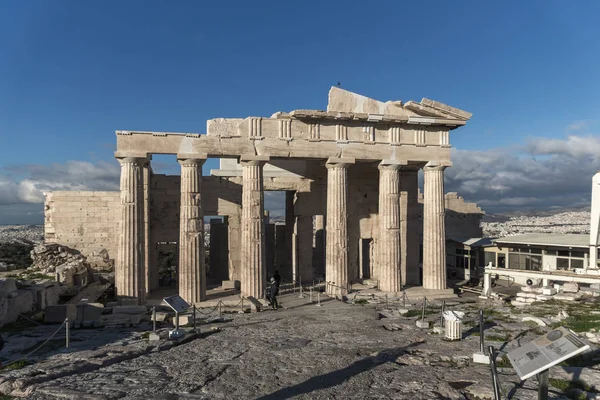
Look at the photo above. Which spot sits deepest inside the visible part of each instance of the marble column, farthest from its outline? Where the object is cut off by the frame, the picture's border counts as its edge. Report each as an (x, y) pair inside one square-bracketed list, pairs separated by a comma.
[(192, 271), (129, 266), (148, 265), (253, 240), (409, 226), (336, 231), (303, 231), (389, 224), (434, 233)]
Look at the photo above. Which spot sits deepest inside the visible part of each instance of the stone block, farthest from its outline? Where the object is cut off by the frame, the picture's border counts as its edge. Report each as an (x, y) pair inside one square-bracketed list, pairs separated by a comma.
[(548, 291), (481, 358), (255, 304), (7, 285), (89, 311), (129, 302), (111, 304), (56, 314), (231, 284), (423, 324), (160, 316), (130, 310), (570, 287)]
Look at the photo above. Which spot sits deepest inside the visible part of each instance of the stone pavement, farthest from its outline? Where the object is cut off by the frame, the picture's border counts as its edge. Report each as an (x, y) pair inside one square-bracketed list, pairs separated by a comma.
[(337, 351)]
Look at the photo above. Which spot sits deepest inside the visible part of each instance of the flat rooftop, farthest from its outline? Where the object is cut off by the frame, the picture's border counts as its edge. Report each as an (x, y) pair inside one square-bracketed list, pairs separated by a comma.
[(547, 239)]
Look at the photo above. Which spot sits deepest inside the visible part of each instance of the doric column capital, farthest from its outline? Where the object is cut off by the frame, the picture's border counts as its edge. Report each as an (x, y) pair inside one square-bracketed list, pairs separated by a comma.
[(133, 160), (338, 163), (253, 160), (192, 158), (428, 168), (390, 166), (192, 162)]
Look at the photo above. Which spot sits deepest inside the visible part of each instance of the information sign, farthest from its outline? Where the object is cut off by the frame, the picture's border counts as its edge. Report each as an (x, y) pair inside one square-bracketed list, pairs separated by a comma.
[(177, 303), (545, 351)]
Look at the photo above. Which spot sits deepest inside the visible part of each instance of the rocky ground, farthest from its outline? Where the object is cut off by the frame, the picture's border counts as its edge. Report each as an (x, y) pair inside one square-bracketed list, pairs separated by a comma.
[(337, 351)]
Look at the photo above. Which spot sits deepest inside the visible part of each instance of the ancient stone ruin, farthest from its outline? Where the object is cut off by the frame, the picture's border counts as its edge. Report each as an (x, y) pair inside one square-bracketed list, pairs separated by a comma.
[(353, 208)]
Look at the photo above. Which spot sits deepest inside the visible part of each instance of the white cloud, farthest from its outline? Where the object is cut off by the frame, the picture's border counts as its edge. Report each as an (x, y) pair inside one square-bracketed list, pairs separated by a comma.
[(544, 173), (72, 175)]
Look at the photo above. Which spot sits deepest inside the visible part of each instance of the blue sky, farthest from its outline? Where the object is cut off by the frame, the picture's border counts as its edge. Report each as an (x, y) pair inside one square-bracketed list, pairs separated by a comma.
[(73, 72)]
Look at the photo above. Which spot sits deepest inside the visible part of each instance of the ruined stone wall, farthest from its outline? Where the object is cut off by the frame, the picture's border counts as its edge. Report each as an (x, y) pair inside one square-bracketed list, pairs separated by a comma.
[(86, 221), (463, 220)]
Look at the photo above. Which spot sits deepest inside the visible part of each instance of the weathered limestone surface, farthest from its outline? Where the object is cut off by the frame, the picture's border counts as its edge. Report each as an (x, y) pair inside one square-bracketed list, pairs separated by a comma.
[(434, 239), (85, 221), (303, 231), (192, 272), (129, 267), (253, 241), (389, 223), (410, 227), (336, 268), (299, 143)]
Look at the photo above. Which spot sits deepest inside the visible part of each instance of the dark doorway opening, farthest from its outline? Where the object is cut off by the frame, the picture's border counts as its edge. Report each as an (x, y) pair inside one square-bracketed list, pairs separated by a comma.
[(366, 254)]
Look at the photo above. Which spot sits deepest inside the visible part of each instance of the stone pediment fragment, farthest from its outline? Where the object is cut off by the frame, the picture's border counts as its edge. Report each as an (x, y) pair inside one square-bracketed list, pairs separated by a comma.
[(344, 101)]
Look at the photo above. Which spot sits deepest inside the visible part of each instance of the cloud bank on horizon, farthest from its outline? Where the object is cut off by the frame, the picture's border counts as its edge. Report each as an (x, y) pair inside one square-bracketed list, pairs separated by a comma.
[(542, 174)]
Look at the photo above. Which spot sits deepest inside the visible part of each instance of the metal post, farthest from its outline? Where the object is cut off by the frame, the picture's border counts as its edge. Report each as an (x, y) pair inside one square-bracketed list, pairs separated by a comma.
[(154, 319), (176, 321), (220, 312), (319, 299), (481, 337), (194, 317), (386, 302), (442, 314), (404, 300), (543, 385), (495, 373), (310, 293), (242, 304), (423, 312), (67, 332)]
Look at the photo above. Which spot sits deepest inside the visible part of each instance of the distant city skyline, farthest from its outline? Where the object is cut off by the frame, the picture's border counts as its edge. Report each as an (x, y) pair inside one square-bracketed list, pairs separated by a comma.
[(72, 73)]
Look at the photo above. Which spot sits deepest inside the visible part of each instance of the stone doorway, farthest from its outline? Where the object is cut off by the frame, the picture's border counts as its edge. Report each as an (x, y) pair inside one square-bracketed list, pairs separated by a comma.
[(365, 257), (167, 265)]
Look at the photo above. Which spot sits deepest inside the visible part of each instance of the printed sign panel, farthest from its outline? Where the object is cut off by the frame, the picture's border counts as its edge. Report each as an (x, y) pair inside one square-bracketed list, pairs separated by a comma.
[(177, 303), (545, 351)]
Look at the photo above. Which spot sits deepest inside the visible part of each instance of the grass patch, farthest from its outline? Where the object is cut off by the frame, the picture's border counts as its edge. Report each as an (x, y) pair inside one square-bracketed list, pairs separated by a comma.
[(497, 338), (572, 388), (503, 362), (414, 313), (18, 365), (6, 397), (361, 301), (582, 323)]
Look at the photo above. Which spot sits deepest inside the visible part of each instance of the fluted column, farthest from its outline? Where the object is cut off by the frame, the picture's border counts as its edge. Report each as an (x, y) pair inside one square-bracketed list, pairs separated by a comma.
[(192, 271), (434, 233), (129, 266), (253, 240), (336, 230), (389, 224)]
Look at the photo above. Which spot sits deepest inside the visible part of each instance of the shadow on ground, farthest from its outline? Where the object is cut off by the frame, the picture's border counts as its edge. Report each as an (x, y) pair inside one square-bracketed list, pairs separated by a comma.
[(335, 378)]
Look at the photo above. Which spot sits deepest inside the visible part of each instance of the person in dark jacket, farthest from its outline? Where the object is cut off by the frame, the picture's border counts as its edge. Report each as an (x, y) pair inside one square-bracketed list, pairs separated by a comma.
[(274, 290), (277, 278)]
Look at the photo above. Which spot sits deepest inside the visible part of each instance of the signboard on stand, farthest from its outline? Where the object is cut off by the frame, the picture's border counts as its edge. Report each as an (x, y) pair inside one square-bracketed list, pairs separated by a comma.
[(177, 303), (545, 351)]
